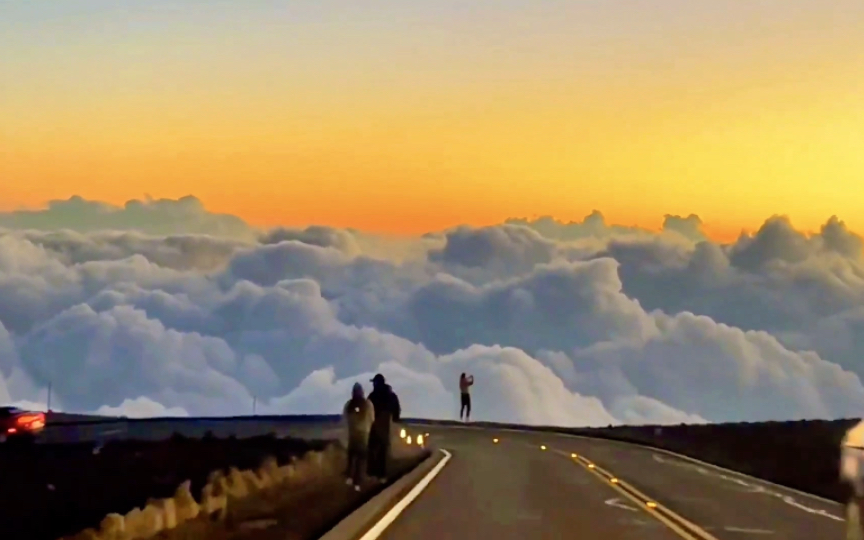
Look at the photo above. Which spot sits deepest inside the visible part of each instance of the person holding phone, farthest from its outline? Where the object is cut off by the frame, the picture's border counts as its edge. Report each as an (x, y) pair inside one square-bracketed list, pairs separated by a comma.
[(465, 384)]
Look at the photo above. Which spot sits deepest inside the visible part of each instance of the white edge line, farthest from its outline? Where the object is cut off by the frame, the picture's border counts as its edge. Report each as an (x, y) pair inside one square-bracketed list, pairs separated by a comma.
[(399, 507), (715, 467), (653, 449)]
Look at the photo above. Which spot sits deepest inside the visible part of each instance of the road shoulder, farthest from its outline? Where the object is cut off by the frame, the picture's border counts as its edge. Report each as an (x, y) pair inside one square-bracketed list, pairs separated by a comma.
[(365, 522)]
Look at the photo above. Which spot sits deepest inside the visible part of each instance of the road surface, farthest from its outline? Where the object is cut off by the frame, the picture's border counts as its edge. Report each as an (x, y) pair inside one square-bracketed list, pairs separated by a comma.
[(514, 489)]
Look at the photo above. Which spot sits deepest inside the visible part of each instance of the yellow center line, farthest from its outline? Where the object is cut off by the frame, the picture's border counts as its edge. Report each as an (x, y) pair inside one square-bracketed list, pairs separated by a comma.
[(698, 531), (648, 505), (695, 529)]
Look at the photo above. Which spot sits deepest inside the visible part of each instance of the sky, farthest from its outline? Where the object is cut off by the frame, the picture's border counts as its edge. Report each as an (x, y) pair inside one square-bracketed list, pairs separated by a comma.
[(409, 116), (206, 203)]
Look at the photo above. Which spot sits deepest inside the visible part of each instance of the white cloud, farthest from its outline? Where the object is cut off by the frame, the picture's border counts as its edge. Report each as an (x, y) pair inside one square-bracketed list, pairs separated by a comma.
[(186, 215), (571, 324), (422, 394), (141, 407)]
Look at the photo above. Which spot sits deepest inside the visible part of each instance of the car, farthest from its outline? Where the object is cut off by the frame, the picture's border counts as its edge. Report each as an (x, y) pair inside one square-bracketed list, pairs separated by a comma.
[(20, 425)]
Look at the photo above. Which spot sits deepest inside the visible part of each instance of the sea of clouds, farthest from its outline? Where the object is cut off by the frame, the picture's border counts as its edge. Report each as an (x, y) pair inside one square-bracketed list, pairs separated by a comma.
[(163, 308)]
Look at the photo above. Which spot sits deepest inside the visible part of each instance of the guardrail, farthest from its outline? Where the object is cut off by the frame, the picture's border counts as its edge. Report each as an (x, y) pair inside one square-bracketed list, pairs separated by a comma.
[(70, 428), (55, 418), (66, 428)]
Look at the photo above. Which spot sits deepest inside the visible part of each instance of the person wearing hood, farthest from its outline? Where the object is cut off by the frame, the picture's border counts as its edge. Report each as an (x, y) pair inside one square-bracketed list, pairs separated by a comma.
[(358, 414), (387, 411)]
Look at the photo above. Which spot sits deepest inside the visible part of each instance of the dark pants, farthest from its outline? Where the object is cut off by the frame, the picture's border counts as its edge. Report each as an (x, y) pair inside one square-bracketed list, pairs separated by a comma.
[(356, 462), (466, 406), (379, 452)]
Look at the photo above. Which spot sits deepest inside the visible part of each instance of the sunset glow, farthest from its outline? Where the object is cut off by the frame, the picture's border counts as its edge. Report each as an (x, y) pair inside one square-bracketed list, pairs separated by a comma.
[(406, 117)]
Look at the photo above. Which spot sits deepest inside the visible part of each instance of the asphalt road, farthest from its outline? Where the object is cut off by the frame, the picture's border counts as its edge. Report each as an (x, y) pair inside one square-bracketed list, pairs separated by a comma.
[(515, 489)]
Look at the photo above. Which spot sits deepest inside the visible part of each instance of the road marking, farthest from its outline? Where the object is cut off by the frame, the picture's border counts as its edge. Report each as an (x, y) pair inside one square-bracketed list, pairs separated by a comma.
[(646, 447), (682, 527), (747, 531), (741, 530), (650, 523), (617, 503), (400, 506), (751, 487), (695, 529)]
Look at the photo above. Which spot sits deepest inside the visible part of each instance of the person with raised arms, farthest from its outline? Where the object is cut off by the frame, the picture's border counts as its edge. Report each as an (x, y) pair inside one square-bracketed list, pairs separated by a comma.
[(465, 384)]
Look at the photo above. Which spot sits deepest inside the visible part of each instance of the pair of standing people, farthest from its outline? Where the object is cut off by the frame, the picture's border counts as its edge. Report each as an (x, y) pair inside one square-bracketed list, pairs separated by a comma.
[(369, 423)]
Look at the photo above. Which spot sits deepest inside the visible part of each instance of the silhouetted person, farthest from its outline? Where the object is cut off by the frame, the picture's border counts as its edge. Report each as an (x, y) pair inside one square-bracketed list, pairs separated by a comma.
[(359, 414), (465, 384), (387, 410)]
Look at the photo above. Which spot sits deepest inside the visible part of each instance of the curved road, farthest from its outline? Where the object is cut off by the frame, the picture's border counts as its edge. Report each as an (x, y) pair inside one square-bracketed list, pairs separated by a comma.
[(516, 489)]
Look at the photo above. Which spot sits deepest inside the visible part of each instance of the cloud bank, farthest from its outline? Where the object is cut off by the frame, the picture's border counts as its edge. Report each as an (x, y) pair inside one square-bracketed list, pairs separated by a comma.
[(154, 216), (161, 308)]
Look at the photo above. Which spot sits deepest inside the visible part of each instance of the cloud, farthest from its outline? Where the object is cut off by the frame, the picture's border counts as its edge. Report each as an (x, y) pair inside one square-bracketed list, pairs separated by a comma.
[(694, 364), (186, 215), (422, 394), (594, 226), (561, 306), (339, 239), (141, 407), (178, 251), (506, 248), (561, 323), (805, 289)]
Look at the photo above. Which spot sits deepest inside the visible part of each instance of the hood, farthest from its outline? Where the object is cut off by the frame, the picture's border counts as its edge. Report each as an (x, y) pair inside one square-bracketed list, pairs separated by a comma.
[(357, 392)]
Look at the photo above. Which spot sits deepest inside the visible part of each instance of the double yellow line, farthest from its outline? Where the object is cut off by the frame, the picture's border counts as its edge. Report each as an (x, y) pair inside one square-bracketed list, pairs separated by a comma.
[(681, 526)]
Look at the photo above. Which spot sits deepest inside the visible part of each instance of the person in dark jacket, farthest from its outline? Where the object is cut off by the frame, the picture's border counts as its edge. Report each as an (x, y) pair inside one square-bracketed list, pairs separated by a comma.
[(387, 410)]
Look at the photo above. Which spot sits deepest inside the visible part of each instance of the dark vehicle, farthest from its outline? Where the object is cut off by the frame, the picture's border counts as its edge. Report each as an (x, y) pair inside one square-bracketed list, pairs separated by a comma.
[(20, 425)]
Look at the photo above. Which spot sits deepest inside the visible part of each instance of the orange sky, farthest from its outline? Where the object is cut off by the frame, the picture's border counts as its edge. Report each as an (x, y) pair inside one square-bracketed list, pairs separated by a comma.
[(406, 119)]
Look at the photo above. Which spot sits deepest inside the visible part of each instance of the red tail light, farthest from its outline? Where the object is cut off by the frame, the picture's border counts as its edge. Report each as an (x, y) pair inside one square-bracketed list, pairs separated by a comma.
[(31, 420)]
